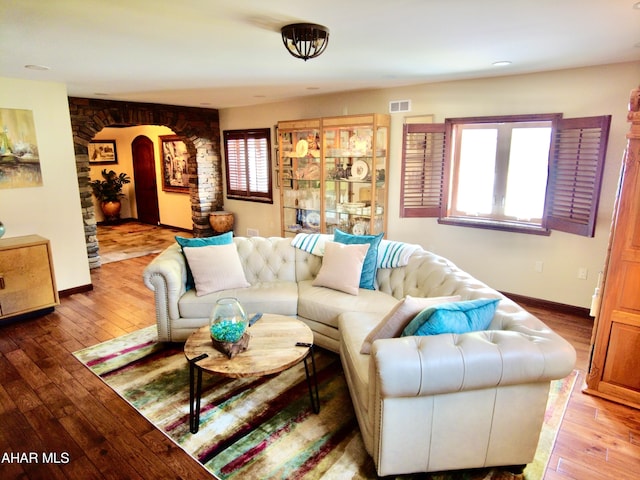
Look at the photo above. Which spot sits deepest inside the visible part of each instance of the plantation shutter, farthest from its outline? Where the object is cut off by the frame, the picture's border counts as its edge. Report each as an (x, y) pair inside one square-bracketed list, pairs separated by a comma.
[(575, 174), (423, 157), (248, 164)]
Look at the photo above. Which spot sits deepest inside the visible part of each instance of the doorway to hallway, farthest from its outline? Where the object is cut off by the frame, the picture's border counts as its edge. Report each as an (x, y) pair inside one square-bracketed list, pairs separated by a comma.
[(144, 175)]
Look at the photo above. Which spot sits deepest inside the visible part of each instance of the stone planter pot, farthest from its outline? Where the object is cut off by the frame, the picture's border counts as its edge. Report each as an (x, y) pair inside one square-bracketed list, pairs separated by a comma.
[(221, 222)]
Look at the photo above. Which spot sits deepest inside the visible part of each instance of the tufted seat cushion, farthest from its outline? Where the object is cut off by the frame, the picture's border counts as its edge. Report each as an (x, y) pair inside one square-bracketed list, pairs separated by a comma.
[(324, 305), (277, 296)]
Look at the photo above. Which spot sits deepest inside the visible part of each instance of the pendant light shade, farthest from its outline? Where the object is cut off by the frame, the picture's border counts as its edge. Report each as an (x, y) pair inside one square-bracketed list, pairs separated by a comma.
[(305, 40)]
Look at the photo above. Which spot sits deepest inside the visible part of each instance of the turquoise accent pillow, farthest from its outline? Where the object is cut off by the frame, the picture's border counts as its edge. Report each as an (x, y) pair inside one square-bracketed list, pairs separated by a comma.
[(224, 239), (454, 317), (370, 267)]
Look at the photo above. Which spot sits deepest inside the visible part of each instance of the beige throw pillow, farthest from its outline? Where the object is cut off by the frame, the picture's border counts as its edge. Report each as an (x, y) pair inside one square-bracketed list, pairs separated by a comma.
[(341, 267), (392, 325), (215, 268)]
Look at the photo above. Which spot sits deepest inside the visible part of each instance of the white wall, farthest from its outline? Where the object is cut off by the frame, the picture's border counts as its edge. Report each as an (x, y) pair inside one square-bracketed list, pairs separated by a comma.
[(174, 208), (504, 260), (53, 209)]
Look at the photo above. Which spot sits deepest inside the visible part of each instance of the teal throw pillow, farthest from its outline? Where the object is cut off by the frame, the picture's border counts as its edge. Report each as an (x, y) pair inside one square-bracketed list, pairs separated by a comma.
[(370, 267), (454, 317), (224, 239)]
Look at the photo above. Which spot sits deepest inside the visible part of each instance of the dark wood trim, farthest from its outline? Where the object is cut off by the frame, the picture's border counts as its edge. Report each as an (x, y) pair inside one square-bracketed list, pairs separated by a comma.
[(188, 230), (80, 289), (129, 220), (489, 224), (548, 305)]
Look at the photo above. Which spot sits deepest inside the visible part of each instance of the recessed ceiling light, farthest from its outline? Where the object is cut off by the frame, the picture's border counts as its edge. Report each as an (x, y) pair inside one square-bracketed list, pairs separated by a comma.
[(37, 67), (501, 63)]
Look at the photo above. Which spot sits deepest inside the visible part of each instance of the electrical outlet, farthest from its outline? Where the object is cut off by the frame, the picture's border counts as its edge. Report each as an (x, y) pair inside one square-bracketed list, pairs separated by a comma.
[(539, 266), (583, 273), (252, 232)]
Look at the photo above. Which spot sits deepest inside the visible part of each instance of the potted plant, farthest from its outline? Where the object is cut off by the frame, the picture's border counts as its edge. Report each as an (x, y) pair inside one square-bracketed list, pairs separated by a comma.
[(109, 192)]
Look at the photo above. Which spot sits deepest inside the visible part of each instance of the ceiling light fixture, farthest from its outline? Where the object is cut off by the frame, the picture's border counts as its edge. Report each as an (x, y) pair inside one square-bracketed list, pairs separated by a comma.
[(501, 63), (37, 67), (305, 40)]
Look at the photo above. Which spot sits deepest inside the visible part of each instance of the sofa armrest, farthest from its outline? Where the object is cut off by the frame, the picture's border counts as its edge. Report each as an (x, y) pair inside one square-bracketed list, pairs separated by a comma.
[(427, 365), (166, 276)]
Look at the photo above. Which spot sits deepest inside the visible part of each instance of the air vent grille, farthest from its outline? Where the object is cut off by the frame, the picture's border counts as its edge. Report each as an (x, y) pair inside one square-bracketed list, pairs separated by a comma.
[(398, 106)]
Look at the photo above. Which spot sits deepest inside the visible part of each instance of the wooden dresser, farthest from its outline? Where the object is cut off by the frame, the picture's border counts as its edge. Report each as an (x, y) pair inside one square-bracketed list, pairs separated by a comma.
[(614, 372), (27, 282)]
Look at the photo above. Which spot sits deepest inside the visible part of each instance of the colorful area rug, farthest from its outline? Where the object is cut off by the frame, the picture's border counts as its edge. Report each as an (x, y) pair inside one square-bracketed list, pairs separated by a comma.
[(264, 427)]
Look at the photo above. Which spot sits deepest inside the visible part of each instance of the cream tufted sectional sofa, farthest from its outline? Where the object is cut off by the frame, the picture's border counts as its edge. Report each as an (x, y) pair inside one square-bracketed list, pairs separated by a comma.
[(432, 403)]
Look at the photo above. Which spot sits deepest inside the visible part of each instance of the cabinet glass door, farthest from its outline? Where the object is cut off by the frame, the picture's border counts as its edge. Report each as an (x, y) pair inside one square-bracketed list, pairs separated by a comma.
[(354, 175), (300, 172)]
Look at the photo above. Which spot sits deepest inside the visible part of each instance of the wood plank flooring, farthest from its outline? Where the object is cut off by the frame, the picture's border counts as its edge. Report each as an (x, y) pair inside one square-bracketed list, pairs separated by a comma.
[(57, 414), (129, 239)]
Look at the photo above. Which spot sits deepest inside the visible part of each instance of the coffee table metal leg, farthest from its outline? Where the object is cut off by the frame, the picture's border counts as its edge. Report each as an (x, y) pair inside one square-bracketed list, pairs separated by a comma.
[(313, 385), (195, 392)]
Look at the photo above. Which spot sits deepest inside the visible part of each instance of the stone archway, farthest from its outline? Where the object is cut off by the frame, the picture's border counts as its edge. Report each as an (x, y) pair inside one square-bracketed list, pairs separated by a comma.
[(199, 129)]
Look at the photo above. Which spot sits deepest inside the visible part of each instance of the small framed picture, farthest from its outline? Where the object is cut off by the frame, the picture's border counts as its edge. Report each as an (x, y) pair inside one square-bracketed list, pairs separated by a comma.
[(103, 152), (174, 156)]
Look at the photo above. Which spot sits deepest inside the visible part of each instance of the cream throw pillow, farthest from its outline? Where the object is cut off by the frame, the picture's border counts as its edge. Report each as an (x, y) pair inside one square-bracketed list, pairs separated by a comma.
[(392, 325), (215, 268), (341, 267)]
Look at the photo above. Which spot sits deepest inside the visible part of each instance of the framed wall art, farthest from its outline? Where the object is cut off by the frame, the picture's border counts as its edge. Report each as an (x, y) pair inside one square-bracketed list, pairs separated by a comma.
[(174, 155), (103, 152), (19, 157)]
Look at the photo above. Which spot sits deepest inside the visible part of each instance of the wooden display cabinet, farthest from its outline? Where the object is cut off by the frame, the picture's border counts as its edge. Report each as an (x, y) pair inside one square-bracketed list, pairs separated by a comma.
[(333, 174), (27, 282)]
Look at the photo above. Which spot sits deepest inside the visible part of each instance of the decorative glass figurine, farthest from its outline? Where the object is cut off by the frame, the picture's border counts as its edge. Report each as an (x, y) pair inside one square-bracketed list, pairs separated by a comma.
[(228, 321)]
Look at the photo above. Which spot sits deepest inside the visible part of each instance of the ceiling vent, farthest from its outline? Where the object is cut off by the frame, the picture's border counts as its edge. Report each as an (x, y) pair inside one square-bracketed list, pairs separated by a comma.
[(399, 106)]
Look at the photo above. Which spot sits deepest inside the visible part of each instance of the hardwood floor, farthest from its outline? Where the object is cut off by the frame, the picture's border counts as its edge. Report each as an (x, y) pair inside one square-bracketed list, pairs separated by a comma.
[(598, 439), (56, 413), (130, 239)]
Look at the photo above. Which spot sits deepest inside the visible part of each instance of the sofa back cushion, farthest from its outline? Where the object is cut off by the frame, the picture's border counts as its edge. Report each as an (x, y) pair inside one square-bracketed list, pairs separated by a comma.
[(307, 265), (430, 275), (267, 259)]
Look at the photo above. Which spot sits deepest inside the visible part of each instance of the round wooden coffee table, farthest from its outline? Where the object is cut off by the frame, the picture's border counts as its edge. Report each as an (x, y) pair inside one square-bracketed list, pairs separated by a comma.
[(277, 343)]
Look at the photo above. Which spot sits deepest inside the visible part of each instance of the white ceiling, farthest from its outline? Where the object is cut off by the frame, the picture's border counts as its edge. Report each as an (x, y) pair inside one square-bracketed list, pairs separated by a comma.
[(226, 53)]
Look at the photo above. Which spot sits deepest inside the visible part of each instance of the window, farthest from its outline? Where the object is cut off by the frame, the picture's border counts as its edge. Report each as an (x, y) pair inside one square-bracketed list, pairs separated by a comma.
[(527, 173), (248, 164)]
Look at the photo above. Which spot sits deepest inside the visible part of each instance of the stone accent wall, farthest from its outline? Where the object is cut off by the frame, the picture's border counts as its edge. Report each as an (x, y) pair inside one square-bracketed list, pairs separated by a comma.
[(200, 131)]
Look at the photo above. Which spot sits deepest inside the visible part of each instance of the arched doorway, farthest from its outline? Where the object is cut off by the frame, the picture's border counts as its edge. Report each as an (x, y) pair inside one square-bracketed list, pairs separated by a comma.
[(144, 174), (199, 128)]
